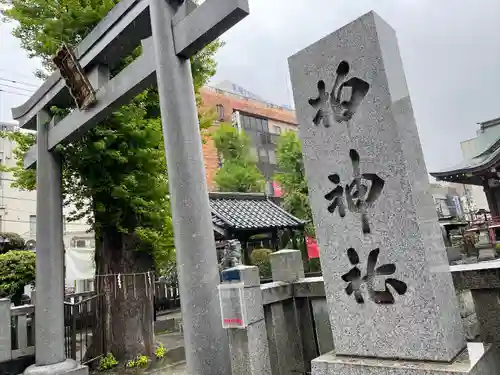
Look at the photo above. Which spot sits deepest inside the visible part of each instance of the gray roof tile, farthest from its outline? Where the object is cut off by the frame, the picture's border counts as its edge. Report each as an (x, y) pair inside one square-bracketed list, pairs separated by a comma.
[(249, 211)]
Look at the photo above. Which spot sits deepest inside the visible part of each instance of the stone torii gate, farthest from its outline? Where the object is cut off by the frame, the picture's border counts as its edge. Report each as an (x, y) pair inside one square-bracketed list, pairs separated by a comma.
[(170, 31)]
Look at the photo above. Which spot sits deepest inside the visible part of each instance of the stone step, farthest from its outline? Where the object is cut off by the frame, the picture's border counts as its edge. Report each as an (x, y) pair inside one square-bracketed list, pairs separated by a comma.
[(174, 342), (175, 369), (168, 323)]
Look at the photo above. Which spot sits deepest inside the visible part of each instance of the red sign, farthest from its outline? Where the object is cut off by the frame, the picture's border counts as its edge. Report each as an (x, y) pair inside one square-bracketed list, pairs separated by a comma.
[(277, 189), (236, 321), (312, 247)]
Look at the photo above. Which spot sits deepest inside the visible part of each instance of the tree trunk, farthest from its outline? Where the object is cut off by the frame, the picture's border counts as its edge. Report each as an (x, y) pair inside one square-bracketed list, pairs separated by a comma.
[(125, 322)]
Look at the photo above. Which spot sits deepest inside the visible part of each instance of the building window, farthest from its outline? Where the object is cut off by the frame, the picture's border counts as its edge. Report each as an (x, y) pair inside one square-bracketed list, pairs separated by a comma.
[(254, 123), (265, 138), (272, 157), (245, 122), (264, 125), (220, 112), (277, 129), (263, 156), (274, 138), (32, 225)]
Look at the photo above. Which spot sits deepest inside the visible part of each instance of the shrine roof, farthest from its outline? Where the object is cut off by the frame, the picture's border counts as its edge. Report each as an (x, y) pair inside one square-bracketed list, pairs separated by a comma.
[(481, 156), (246, 211), (467, 170)]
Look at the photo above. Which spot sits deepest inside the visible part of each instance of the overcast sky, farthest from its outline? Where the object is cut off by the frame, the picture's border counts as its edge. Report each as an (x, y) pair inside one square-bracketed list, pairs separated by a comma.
[(450, 51)]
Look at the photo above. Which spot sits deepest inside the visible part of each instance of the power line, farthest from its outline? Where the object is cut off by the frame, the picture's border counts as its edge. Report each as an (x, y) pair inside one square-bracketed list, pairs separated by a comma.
[(15, 72), (17, 88), (15, 93), (23, 211), (21, 199), (18, 82), (33, 222)]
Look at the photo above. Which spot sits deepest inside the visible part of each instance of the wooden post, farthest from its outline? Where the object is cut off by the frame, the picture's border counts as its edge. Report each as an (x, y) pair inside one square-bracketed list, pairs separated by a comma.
[(274, 236)]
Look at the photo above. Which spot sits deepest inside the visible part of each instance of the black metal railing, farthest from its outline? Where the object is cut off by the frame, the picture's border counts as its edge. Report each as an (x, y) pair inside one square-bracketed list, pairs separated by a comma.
[(167, 295), (81, 314)]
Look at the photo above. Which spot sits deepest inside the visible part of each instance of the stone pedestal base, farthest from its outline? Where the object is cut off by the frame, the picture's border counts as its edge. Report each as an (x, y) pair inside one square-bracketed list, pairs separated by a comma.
[(476, 360), (68, 367)]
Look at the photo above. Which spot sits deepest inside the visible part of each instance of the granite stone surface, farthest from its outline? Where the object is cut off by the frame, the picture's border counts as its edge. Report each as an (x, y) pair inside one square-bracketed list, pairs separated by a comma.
[(306, 327), (286, 265), (486, 254), (472, 328), (486, 363), (465, 302), (309, 287), (467, 276), (364, 145), (249, 350), (487, 306), (322, 325), (248, 275), (248, 347), (67, 367), (49, 308), (5, 330), (285, 345), (275, 292), (252, 297)]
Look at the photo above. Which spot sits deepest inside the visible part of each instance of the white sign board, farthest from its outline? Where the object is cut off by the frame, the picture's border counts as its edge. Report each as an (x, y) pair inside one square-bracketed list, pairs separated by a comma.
[(232, 305)]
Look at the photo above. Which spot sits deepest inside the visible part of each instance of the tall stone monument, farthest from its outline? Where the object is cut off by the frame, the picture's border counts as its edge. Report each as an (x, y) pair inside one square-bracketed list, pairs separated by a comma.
[(375, 221)]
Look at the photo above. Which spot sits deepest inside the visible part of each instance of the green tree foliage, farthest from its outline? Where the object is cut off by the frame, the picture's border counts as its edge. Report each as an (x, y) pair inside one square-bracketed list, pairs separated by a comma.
[(115, 175), (261, 259), (17, 269), (292, 179), (13, 241), (238, 172)]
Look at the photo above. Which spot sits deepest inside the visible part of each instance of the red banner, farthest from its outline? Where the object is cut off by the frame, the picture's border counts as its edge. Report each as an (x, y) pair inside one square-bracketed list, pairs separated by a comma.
[(312, 247), (277, 189)]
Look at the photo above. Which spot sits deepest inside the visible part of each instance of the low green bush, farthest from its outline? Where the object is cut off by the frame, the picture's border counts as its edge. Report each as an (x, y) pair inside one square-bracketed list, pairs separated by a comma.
[(313, 265), (260, 258), (108, 362), (17, 269), (140, 361), (15, 242), (160, 351)]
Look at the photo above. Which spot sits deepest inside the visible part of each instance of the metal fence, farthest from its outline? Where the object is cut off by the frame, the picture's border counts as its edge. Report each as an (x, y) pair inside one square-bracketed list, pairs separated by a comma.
[(83, 312), (167, 295)]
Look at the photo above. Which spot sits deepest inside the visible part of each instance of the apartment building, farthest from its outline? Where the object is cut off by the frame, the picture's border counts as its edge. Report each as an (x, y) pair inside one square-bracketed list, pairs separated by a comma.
[(262, 121), (454, 200), (18, 207)]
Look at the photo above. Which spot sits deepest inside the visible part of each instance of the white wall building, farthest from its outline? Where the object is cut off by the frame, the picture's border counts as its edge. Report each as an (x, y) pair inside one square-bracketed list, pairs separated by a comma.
[(18, 215), (18, 207), (472, 197)]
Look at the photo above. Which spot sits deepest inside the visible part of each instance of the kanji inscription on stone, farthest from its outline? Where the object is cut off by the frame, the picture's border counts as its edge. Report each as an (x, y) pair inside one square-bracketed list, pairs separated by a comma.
[(360, 194), (355, 280), (341, 103)]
